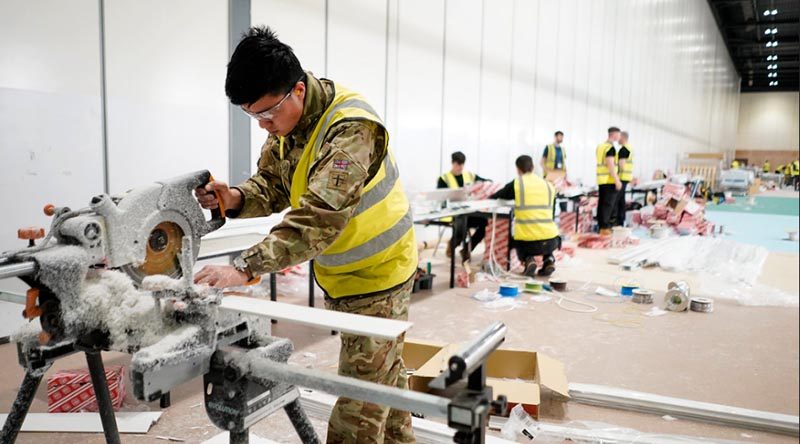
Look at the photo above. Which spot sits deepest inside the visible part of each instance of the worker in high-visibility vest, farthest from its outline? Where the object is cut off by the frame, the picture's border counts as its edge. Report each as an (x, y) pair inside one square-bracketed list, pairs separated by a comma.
[(795, 173), (554, 156), (787, 174), (326, 159), (456, 178), (735, 164), (624, 158), (766, 167), (608, 182), (535, 233)]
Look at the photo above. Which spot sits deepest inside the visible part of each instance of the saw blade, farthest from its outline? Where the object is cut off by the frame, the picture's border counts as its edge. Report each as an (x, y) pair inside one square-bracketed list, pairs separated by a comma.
[(162, 253)]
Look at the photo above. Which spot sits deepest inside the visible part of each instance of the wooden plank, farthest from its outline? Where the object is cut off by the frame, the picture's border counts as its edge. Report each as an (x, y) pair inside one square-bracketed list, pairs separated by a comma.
[(127, 422), (318, 318)]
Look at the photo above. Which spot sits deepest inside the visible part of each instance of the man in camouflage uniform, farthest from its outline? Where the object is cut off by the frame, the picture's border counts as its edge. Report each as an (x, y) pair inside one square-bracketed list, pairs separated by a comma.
[(265, 79)]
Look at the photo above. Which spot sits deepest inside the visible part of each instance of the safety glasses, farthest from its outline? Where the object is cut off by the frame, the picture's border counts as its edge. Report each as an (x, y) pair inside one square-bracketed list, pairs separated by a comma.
[(269, 113)]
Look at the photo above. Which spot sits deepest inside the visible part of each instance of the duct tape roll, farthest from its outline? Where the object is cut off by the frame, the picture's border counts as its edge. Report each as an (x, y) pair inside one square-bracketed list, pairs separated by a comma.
[(627, 290), (676, 300), (508, 290), (534, 287), (558, 284), (642, 296), (702, 305)]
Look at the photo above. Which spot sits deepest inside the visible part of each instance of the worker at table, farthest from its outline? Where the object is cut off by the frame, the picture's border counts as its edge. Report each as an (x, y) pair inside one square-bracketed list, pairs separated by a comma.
[(554, 156), (795, 173), (625, 167), (766, 167), (535, 233), (456, 178), (327, 158), (608, 182), (735, 164)]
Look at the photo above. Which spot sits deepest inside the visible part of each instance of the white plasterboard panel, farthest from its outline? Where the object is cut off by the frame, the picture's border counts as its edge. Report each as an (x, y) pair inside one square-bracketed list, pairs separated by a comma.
[(418, 93), (577, 141), (307, 42), (127, 422), (563, 65), (462, 77), (50, 128), (316, 317), (167, 110)]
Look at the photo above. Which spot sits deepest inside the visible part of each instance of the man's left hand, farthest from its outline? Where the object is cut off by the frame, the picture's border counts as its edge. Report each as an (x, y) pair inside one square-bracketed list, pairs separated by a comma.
[(221, 276)]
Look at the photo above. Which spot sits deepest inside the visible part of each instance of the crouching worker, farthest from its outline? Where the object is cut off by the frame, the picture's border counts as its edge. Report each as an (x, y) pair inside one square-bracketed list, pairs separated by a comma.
[(535, 233)]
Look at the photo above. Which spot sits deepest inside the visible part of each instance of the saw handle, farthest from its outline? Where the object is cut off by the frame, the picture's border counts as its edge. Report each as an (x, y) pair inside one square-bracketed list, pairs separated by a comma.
[(219, 212)]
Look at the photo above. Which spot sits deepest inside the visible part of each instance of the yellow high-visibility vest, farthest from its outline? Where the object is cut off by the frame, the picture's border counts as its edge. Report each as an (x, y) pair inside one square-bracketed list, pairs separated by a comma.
[(533, 208), (450, 179), (626, 173), (550, 162), (376, 250), (795, 168), (604, 177), (735, 165), (765, 168)]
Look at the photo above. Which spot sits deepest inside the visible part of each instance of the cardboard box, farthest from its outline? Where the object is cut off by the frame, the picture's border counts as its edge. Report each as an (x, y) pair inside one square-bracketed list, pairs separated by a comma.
[(72, 391), (532, 379)]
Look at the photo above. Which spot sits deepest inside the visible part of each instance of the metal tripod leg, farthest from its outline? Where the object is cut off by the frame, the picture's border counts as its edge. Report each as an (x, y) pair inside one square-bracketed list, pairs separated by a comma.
[(104, 406), (301, 422), (21, 404)]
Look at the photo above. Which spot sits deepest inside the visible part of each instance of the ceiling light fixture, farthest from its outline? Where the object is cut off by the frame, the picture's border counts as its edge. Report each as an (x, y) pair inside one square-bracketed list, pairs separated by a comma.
[(774, 12)]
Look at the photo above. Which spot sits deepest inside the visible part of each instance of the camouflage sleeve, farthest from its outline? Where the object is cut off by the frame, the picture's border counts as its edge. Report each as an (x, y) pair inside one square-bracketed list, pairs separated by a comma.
[(262, 193), (352, 152)]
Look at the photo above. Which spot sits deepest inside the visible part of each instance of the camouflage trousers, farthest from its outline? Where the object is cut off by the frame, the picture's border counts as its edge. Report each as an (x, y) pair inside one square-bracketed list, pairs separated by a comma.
[(374, 360)]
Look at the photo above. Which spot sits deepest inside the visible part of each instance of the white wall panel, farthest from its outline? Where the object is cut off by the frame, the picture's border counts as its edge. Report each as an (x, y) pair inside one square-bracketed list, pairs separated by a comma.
[(167, 110), (357, 47), (417, 78), (307, 42), (523, 76), (462, 83), (495, 90), (50, 110)]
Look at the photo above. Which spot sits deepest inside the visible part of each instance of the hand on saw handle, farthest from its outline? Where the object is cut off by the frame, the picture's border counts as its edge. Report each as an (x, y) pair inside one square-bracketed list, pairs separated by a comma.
[(223, 276), (209, 196)]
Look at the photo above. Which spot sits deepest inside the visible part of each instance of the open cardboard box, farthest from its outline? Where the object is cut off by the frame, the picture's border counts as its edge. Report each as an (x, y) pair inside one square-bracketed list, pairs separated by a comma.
[(532, 379)]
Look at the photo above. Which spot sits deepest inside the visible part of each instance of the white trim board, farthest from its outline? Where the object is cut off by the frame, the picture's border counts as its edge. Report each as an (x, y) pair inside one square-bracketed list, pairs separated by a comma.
[(318, 318), (127, 422)]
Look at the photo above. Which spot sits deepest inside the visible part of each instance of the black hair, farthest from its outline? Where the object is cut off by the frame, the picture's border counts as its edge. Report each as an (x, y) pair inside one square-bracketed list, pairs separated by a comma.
[(261, 65), (458, 157), (558, 133), (525, 163), (613, 129)]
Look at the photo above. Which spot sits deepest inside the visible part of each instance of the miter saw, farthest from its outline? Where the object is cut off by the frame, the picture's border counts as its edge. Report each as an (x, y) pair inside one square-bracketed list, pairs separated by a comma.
[(139, 232), (152, 235)]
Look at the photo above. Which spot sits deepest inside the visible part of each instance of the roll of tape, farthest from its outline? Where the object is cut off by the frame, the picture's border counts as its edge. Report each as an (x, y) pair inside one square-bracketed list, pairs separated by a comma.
[(533, 287), (642, 296), (676, 299), (558, 284), (627, 290), (702, 305), (509, 290)]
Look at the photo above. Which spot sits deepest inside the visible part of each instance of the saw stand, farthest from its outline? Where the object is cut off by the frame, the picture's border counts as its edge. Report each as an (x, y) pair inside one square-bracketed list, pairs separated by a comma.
[(36, 360)]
